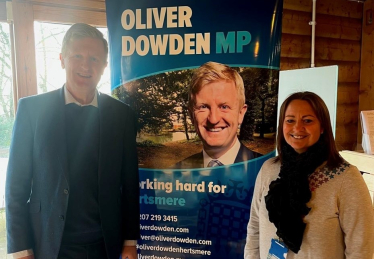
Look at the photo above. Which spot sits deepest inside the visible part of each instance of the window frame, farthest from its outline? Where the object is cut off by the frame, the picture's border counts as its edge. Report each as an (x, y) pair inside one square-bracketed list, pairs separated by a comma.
[(23, 14)]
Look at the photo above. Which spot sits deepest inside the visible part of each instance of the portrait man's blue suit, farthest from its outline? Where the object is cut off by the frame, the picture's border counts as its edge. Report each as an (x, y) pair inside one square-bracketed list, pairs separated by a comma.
[(38, 188), (197, 160)]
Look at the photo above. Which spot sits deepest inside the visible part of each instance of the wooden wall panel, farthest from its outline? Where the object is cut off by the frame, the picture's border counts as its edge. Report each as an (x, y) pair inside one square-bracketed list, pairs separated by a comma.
[(348, 93), (337, 49), (298, 5), (341, 8), (338, 27), (337, 42), (296, 22), (295, 46), (346, 125), (78, 4), (299, 46), (69, 16), (349, 72), (344, 138), (294, 63), (24, 43), (366, 99), (347, 116)]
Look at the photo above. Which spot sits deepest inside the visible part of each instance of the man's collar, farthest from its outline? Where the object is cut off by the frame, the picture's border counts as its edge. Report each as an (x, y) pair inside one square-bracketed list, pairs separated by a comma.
[(69, 98), (228, 158)]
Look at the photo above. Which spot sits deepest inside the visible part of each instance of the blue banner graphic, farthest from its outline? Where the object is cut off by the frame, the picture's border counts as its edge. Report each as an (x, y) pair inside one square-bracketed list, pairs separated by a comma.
[(155, 48), (197, 213), (148, 37)]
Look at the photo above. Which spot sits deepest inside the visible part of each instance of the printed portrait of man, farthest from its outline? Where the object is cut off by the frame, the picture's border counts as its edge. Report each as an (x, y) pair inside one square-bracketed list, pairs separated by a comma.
[(217, 108)]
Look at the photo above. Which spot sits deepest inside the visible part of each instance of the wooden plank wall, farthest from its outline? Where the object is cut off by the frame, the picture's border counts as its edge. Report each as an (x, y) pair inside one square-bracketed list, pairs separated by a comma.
[(337, 42), (70, 11), (366, 99)]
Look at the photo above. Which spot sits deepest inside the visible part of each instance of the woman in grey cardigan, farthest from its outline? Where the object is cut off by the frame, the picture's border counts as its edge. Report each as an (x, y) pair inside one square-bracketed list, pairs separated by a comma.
[(308, 202)]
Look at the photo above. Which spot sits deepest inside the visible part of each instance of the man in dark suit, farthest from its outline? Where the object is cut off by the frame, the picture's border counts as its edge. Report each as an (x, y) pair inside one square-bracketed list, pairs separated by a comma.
[(217, 108), (72, 180)]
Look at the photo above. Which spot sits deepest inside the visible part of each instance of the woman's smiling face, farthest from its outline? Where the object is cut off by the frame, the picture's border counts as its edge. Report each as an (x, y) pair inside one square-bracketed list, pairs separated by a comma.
[(301, 127)]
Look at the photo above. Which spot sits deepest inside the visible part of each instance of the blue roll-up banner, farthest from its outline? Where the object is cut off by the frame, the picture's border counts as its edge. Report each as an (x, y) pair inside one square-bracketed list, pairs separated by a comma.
[(155, 48)]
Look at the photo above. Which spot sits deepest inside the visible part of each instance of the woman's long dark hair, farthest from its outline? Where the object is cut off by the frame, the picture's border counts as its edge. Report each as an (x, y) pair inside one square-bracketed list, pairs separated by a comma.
[(322, 113)]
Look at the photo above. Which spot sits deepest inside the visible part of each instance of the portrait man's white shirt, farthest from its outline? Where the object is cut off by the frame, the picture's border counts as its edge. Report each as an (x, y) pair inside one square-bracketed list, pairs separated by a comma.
[(226, 159)]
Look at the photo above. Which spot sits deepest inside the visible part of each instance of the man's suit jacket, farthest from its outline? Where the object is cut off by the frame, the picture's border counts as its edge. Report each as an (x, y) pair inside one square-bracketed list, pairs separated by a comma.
[(197, 160), (37, 183)]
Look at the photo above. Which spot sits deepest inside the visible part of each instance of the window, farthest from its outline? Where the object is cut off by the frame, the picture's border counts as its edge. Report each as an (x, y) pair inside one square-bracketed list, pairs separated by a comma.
[(48, 41), (6, 121)]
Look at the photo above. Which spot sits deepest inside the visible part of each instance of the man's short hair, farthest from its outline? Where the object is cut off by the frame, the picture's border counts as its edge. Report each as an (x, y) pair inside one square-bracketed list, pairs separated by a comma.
[(80, 31), (211, 72)]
